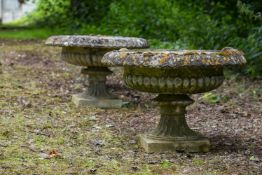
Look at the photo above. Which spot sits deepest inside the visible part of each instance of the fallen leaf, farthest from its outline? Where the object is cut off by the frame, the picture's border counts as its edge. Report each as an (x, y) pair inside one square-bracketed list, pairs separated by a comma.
[(53, 153)]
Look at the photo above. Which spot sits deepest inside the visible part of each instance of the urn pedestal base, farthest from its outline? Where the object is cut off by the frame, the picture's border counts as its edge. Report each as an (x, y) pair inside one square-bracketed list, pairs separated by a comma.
[(97, 94), (182, 144), (172, 132), (105, 103)]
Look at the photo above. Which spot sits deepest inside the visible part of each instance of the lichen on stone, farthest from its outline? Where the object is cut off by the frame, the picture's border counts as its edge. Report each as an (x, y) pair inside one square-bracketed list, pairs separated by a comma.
[(99, 41), (174, 58)]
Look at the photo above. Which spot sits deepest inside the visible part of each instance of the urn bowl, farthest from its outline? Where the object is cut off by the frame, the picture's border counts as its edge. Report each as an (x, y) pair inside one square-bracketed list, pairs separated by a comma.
[(88, 50), (174, 72)]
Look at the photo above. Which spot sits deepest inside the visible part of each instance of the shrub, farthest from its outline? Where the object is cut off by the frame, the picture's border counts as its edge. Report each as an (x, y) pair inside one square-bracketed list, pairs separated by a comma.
[(206, 24)]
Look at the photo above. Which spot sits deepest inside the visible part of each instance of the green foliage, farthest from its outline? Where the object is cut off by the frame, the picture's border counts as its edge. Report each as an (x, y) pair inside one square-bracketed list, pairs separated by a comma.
[(252, 46), (213, 98), (141, 18), (51, 13), (165, 164), (86, 11), (28, 33), (204, 24)]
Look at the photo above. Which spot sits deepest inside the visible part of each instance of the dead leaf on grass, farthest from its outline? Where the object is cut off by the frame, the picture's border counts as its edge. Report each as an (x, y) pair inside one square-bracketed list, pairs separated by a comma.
[(53, 153)]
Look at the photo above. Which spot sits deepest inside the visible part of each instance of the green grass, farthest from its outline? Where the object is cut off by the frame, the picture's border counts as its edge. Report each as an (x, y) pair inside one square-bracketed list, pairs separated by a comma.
[(20, 33)]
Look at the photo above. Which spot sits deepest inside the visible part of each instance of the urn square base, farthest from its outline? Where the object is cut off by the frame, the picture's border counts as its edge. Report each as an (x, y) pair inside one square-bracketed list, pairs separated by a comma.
[(105, 103), (186, 145)]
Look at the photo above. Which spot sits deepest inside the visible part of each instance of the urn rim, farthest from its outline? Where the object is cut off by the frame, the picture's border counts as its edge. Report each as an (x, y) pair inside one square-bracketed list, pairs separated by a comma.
[(97, 41), (160, 58)]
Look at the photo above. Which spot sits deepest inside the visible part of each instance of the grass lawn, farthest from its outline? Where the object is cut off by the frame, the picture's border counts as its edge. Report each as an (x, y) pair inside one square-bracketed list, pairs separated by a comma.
[(27, 33)]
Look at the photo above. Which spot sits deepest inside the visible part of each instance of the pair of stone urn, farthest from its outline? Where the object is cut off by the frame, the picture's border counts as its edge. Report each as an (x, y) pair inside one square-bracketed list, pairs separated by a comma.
[(173, 74)]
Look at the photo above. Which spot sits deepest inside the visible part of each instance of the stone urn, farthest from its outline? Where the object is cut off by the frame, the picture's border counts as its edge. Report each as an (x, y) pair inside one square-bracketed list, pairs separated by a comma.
[(174, 75), (87, 51)]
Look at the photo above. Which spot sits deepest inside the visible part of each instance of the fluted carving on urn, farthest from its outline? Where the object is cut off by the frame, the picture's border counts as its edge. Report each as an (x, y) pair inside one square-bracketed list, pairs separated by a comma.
[(173, 84), (172, 124), (97, 82), (179, 81), (87, 57)]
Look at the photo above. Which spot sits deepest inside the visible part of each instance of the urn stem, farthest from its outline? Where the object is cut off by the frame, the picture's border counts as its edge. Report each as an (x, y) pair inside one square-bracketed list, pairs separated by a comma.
[(97, 82), (173, 122)]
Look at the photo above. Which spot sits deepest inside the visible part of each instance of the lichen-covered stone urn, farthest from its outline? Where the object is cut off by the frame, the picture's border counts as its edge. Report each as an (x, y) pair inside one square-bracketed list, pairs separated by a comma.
[(87, 51), (173, 75)]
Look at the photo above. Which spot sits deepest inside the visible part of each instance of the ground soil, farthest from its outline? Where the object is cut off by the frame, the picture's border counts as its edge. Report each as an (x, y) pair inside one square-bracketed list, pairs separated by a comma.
[(42, 132)]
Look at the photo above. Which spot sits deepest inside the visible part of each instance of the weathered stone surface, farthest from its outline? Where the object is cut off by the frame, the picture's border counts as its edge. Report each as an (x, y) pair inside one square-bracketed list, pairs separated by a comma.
[(173, 81), (174, 58), (82, 56), (97, 82), (173, 74), (87, 51), (97, 94), (113, 42), (186, 144), (172, 132)]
